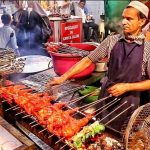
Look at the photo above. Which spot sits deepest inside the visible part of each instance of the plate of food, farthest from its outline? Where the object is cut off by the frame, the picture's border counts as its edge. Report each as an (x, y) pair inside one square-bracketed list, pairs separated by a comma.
[(36, 63)]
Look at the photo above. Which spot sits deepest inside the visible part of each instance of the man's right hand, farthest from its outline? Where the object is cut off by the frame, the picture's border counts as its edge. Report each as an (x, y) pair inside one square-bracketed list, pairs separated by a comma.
[(52, 84), (55, 81)]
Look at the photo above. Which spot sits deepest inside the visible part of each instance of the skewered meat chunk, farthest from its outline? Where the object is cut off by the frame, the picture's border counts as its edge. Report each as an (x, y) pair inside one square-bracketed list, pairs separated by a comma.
[(58, 121), (75, 126), (9, 92)]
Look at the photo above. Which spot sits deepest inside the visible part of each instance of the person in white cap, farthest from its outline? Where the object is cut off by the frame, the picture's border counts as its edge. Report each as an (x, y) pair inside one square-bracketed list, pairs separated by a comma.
[(129, 62)]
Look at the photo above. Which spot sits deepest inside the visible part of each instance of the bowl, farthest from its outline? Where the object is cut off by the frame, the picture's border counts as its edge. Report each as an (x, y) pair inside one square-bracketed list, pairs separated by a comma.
[(89, 89), (63, 62)]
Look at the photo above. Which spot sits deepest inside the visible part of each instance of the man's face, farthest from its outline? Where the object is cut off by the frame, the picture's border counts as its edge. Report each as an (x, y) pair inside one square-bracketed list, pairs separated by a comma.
[(131, 22), (82, 4)]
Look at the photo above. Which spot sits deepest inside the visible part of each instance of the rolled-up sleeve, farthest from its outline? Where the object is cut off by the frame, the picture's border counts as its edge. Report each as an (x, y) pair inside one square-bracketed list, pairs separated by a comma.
[(100, 52)]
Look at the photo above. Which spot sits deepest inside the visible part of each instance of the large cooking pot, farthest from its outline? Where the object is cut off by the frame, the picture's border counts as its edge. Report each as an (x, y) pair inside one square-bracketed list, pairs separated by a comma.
[(63, 62)]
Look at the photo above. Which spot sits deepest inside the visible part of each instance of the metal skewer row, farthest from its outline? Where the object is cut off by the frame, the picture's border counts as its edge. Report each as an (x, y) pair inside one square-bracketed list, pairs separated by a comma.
[(108, 105), (80, 98), (46, 128), (81, 107), (64, 48), (84, 106), (132, 105)]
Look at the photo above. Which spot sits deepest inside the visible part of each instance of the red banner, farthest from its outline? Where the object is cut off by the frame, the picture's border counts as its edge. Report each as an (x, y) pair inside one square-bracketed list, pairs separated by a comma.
[(71, 32)]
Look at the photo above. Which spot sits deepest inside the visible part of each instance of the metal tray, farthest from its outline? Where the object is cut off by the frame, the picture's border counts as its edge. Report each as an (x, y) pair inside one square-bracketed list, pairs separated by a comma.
[(36, 63)]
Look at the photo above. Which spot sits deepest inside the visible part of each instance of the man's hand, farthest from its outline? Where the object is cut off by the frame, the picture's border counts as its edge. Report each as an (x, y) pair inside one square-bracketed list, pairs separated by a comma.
[(55, 81), (118, 89), (52, 84)]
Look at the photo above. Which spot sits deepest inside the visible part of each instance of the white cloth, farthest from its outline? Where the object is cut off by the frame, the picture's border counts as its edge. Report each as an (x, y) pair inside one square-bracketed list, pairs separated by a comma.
[(140, 7), (5, 32)]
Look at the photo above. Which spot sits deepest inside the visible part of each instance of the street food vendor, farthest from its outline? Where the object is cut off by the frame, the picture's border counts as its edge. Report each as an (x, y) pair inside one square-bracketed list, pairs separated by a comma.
[(129, 58)]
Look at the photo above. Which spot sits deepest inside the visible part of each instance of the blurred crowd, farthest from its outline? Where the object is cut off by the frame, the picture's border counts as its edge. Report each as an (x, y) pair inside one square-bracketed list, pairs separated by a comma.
[(27, 24)]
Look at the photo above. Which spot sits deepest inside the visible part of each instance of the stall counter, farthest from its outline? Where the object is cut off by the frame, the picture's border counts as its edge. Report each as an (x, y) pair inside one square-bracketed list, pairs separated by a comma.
[(66, 31)]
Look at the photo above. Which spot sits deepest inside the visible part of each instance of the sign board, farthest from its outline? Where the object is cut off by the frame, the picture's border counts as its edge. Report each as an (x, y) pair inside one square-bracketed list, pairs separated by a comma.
[(71, 32)]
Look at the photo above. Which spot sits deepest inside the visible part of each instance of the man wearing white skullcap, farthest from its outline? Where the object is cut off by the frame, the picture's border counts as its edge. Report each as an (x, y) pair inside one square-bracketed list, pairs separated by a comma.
[(129, 63), (140, 7)]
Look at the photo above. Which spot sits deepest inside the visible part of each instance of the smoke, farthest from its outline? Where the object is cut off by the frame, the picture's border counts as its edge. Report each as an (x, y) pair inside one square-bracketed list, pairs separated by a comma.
[(30, 42), (114, 25)]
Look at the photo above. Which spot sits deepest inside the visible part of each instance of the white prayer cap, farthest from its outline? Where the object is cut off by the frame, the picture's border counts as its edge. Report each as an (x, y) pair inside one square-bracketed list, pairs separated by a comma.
[(140, 7)]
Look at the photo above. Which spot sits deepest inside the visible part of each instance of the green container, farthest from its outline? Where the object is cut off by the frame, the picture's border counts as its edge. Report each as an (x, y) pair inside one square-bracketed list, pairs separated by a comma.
[(87, 90)]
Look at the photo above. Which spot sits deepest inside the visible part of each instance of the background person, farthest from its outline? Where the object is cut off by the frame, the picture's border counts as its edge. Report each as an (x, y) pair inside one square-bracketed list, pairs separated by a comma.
[(7, 34), (81, 11), (31, 21)]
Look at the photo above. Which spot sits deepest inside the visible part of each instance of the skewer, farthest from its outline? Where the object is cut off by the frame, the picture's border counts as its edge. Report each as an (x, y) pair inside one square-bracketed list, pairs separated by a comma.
[(107, 106), (63, 146), (16, 108), (114, 130), (32, 122), (78, 99), (60, 140), (26, 88), (132, 105), (42, 130), (51, 136), (20, 113), (11, 108), (26, 116), (35, 125), (64, 47), (68, 92), (71, 148), (4, 101), (92, 104), (67, 51), (98, 101), (72, 90), (112, 111)]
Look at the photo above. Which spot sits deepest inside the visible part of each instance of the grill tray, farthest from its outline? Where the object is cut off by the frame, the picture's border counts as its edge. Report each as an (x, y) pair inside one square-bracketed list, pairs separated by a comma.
[(138, 129)]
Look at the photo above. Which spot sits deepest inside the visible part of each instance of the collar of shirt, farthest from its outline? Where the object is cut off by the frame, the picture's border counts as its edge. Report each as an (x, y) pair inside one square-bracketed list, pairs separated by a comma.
[(137, 39)]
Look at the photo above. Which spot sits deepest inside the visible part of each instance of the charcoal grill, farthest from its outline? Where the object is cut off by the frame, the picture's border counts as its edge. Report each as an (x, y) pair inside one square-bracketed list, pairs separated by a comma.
[(138, 129), (31, 123)]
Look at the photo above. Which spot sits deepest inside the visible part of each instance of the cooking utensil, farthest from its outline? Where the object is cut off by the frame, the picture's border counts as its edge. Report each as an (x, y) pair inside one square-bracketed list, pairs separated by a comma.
[(59, 59), (36, 63)]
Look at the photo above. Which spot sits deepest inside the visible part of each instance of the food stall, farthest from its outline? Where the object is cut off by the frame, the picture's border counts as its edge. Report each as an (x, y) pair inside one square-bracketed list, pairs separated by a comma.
[(66, 30), (59, 118)]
